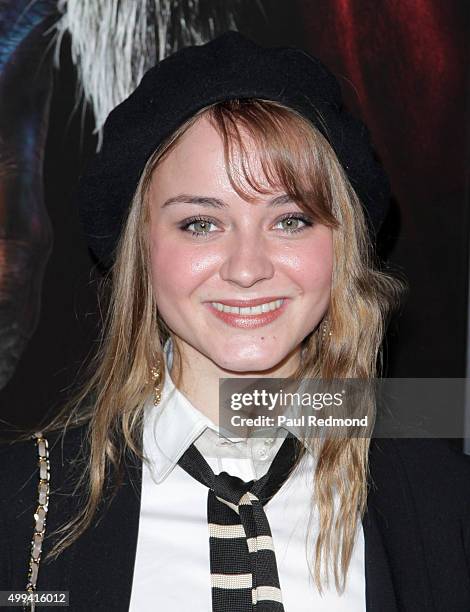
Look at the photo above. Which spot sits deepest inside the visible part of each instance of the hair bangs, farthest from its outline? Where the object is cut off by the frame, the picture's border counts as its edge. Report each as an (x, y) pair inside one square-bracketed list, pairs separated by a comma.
[(291, 153)]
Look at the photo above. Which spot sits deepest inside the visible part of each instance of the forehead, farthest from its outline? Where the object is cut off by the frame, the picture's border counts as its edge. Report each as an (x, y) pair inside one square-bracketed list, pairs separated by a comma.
[(198, 161)]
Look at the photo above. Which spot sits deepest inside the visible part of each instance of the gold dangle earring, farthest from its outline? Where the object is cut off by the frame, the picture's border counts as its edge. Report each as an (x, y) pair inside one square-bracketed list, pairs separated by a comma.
[(325, 325), (156, 372)]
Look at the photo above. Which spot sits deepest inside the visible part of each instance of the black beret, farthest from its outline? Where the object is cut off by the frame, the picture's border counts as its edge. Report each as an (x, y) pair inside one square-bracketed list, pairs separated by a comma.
[(229, 66)]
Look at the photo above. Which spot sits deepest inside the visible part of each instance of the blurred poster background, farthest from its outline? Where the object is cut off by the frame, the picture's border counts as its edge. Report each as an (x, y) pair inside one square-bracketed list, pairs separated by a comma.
[(403, 68)]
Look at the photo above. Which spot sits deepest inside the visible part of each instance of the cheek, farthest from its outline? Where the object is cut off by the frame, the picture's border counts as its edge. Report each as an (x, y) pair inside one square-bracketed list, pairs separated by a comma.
[(177, 271), (313, 264), (316, 274), (168, 264)]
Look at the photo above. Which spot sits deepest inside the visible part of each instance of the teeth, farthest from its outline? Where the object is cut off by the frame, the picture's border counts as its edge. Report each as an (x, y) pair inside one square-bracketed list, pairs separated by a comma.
[(250, 310)]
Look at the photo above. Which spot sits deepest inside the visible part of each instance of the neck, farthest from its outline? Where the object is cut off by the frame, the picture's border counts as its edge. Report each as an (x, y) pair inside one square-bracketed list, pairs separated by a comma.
[(200, 377)]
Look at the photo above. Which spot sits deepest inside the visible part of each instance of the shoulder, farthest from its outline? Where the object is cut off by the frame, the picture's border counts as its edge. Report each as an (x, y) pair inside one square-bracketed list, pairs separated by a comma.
[(430, 473)]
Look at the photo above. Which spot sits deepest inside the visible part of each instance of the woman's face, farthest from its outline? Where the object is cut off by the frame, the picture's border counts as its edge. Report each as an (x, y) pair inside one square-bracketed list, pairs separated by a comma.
[(234, 252)]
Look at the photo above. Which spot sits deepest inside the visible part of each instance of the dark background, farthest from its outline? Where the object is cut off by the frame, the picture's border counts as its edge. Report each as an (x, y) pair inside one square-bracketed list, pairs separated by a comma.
[(403, 68)]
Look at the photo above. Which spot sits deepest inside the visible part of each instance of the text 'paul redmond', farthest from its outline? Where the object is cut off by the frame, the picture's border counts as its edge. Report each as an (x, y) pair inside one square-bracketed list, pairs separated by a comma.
[(309, 420)]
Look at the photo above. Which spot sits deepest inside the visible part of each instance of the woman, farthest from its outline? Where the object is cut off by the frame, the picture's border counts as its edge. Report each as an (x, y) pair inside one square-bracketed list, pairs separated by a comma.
[(233, 178)]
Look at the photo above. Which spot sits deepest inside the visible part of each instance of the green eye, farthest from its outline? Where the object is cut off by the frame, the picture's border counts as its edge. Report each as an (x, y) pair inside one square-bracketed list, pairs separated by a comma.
[(200, 224), (291, 223), (203, 225)]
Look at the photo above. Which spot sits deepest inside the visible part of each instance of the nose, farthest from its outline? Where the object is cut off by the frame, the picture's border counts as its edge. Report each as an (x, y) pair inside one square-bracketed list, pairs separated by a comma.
[(248, 260)]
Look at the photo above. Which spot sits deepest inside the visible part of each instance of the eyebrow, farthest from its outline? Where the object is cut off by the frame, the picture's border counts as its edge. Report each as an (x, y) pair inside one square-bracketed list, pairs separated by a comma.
[(210, 202)]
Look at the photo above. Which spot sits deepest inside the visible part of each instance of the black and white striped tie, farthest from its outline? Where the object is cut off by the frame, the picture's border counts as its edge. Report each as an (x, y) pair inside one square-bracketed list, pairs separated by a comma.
[(244, 574)]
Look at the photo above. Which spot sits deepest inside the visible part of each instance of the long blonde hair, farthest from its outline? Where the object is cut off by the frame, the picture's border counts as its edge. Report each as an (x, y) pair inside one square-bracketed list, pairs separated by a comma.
[(294, 154)]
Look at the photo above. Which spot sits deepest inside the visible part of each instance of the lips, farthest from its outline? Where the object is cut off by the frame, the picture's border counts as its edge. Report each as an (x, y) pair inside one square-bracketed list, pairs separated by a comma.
[(250, 302), (247, 321)]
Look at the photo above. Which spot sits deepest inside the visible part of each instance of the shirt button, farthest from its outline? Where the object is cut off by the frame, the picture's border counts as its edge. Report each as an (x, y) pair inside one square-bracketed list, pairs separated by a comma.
[(268, 441), (263, 454)]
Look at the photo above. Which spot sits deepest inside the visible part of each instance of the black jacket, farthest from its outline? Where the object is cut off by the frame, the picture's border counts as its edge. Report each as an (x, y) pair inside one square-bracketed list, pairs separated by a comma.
[(416, 528)]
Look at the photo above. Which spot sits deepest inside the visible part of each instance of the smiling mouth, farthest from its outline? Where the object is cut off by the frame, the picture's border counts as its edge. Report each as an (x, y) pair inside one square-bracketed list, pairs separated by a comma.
[(249, 310), (249, 317)]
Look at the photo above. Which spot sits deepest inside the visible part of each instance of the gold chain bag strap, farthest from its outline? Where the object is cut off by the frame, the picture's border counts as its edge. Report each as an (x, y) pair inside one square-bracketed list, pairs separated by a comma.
[(40, 514)]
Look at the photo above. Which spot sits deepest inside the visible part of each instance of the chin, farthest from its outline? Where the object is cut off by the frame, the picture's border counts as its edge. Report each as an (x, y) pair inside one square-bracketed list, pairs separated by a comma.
[(243, 364)]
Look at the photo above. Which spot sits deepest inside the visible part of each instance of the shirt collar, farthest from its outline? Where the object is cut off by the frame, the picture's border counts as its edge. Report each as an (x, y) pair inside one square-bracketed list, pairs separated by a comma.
[(173, 425)]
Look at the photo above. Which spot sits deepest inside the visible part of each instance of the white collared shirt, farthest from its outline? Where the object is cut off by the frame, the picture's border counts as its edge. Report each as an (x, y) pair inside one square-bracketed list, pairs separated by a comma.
[(172, 567)]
